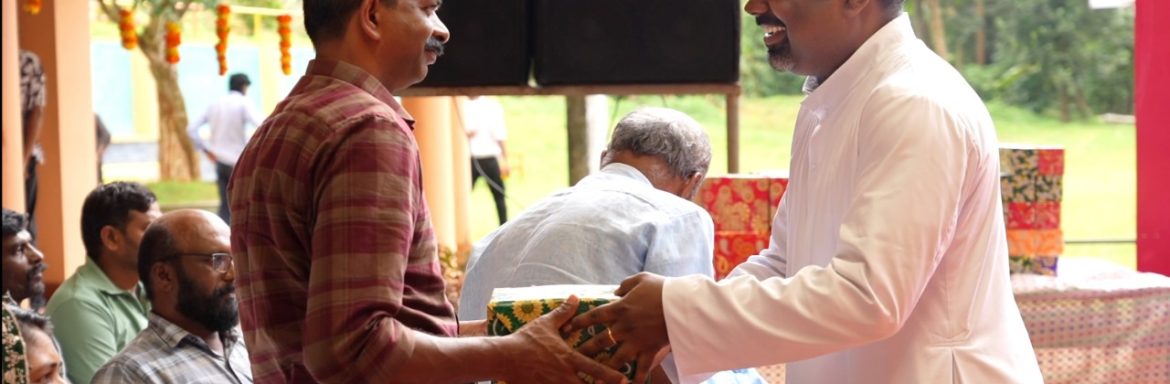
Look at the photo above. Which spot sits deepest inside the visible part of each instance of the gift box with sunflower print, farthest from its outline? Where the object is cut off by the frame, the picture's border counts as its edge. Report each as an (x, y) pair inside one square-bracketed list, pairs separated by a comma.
[(512, 308)]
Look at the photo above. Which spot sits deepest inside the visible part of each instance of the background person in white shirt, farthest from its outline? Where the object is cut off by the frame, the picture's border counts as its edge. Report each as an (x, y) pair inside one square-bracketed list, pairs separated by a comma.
[(229, 118), (483, 120), (888, 258)]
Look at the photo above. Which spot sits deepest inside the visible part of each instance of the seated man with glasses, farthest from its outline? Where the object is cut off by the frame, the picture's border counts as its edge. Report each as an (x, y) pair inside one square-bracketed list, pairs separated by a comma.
[(193, 335)]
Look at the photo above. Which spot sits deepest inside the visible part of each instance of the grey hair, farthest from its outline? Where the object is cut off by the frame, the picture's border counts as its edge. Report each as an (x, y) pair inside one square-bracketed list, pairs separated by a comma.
[(665, 133)]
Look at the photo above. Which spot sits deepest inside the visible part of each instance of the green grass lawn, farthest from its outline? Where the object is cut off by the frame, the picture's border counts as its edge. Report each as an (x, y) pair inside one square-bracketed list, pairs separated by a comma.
[(1099, 183)]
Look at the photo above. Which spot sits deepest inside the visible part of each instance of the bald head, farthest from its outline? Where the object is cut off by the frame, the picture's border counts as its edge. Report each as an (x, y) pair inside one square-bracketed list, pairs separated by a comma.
[(181, 231)]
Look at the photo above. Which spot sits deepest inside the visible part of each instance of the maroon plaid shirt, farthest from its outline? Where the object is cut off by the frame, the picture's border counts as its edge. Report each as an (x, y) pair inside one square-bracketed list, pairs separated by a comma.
[(335, 255)]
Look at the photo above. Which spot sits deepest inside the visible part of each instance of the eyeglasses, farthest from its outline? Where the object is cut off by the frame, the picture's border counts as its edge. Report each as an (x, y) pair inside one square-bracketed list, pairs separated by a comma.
[(219, 261)]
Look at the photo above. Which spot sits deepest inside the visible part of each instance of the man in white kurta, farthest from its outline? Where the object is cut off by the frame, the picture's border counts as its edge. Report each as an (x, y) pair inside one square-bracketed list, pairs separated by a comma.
[(888, 258)]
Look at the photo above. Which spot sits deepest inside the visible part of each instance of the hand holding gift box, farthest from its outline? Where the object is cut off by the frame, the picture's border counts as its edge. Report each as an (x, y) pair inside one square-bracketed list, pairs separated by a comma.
[(511, 309), (539, 344), (636, 323)]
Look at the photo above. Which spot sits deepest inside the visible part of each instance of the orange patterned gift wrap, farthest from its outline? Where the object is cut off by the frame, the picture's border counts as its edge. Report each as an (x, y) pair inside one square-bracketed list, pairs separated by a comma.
[(734, 248), (742, 207)]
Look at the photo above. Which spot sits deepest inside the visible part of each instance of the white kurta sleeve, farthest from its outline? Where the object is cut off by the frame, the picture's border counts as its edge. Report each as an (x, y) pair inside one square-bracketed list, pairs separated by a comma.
[(912, 157)]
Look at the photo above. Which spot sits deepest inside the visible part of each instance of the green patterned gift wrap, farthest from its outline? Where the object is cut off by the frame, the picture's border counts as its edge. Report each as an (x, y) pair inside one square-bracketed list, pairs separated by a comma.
[(511, 308)]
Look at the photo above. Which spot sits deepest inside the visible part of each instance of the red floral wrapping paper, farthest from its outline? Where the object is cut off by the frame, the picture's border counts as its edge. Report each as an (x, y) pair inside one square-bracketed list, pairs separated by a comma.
[(742, 207)]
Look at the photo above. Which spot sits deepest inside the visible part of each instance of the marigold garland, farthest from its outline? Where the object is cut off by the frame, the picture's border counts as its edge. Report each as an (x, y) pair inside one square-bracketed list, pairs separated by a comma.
[(223, 13), (173, 41), (33, 6), (126, 27), (285, 31)]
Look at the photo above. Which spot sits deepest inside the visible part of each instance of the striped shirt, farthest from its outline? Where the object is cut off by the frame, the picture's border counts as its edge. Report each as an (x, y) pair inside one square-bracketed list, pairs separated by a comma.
[(166, 353), (335, 255)]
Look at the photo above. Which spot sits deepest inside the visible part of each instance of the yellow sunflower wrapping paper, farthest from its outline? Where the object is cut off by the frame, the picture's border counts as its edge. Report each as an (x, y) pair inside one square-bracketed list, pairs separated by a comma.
[(511, 308)]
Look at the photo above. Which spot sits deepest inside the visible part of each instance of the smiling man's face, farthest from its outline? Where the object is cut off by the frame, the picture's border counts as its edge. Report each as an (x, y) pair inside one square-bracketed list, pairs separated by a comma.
[(802, 36)]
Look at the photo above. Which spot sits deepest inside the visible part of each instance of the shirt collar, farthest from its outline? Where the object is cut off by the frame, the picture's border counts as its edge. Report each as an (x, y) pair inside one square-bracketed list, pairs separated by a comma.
[(625, 170), (173, 335), (824, 96), (353, 74), (93, 275)]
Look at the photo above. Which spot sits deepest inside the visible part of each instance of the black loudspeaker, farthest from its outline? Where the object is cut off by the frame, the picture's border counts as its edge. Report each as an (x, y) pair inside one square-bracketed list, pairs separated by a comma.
[(635, 41), (489, 44)]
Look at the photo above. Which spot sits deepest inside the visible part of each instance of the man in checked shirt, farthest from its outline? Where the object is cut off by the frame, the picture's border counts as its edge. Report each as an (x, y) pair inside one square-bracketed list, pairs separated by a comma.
[(338, 272)]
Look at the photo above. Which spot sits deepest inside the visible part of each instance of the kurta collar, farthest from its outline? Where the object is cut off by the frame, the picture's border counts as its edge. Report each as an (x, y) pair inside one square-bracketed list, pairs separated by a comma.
[(824, 96)]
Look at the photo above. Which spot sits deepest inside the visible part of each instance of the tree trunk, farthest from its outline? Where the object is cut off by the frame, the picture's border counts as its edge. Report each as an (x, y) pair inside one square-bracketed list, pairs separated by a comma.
[(177, 160), (981, 32), (938, 31), (1065, 115)]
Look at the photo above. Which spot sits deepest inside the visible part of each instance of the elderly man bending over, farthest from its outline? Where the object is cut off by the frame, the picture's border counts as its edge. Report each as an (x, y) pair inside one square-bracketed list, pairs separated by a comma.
[(632, 216)]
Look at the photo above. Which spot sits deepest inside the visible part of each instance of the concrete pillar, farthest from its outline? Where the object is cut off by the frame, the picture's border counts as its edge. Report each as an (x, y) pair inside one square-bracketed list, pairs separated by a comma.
[(432, 130), (588, 123), (60, 35), (13, 179), (461, 173)]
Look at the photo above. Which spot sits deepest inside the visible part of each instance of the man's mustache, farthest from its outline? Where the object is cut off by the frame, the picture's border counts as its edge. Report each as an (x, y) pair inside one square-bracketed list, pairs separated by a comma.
[(223, 292), (38, 270), (435, 45)]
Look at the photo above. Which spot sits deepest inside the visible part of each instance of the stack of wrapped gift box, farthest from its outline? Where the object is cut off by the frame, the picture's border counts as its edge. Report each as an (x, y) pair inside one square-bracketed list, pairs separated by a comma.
[(1031, 188), (742, 207)]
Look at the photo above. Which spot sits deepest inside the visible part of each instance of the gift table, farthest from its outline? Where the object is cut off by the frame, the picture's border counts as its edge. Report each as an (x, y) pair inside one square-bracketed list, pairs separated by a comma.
[(1097, 323)]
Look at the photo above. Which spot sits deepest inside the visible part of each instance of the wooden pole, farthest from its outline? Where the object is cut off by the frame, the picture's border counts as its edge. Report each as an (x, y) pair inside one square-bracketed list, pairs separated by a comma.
[(13, 136), (60, 35), (432, 130)]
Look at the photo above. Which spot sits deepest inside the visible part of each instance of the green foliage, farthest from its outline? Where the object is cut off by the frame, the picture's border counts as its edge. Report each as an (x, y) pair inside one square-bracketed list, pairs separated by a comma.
[(1058, 55)]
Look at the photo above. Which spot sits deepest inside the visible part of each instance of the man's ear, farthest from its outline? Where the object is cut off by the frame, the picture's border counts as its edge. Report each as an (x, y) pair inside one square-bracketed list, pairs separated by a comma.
[(694, 182), (368, 18), (164, 277), (111, 238)]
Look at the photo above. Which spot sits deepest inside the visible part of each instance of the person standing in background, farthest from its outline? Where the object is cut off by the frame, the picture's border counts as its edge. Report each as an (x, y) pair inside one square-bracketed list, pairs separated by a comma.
[(32, 108), (102, 138), (228, 118), (483, 120)]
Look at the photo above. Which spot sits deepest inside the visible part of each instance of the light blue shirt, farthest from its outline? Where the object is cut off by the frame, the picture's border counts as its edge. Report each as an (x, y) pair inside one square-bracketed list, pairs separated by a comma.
[(610, 226)]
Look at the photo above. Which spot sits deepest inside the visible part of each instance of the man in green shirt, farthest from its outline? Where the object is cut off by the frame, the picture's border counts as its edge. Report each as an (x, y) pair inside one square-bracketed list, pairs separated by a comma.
[(102, 307)]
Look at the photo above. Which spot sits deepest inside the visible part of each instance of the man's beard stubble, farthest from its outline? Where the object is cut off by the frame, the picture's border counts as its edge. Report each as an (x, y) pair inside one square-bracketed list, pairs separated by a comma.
[(214, 311), (36, 291)]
